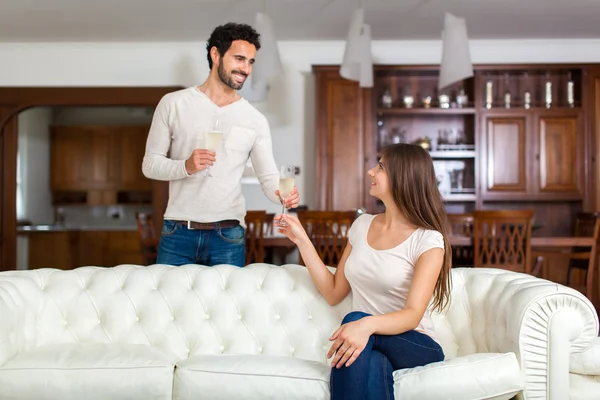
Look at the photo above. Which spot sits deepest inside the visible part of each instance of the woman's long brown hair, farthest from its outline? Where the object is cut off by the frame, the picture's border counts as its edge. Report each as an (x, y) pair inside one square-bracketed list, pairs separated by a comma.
[(414, 188)]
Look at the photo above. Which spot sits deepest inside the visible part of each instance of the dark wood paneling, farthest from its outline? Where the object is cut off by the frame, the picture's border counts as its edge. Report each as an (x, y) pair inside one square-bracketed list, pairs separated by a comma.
[(340, 141)]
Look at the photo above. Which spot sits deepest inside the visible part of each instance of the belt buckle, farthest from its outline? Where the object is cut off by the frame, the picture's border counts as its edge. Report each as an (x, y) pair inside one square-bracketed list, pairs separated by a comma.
[(189, 226)]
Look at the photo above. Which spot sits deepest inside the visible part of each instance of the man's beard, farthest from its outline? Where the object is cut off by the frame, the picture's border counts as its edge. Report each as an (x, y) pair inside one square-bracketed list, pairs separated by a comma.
[(228, 80)]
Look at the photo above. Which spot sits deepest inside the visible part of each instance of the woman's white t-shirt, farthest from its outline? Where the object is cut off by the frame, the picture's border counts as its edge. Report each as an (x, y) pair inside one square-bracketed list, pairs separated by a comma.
[(380, 279)]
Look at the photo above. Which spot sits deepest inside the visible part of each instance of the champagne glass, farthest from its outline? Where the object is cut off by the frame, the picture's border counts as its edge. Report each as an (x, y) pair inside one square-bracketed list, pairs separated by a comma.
[(286, 184), (213, 140)]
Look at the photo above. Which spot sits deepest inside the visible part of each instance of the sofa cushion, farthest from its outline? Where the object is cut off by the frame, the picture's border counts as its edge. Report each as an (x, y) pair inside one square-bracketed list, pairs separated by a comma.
[(584, 387), (89, 371), (473, 377), (587, 362), (250, 377)]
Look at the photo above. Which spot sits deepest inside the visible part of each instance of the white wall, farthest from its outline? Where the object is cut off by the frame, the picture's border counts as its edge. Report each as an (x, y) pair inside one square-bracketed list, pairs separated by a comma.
[(290, 105), (34, 168), (34, 198)]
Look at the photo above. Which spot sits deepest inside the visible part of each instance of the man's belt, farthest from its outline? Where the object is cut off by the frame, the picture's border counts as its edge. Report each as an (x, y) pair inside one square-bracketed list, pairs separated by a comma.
[(208, 226)]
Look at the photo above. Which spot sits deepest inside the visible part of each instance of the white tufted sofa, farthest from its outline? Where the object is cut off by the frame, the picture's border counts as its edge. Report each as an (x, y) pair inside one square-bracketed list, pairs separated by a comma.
[(261, 332)]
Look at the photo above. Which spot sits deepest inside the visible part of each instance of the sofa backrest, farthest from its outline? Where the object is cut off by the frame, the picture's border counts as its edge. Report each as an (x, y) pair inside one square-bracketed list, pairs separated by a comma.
[(259, 309)]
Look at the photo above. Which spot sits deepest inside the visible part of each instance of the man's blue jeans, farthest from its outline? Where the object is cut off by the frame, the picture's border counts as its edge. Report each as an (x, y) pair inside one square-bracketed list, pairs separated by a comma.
[(370, 376), (180, 245)]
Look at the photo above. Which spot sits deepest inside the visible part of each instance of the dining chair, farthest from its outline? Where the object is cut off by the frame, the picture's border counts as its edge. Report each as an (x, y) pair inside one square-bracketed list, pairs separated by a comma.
[(461, 225), (502, 239), (149, 240), (328, 231), (257, 223)]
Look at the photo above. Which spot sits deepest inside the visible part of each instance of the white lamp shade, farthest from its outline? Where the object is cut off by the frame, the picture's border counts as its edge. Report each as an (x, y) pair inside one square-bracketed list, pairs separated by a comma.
[(268, 63), (456, 57), (357, 64)]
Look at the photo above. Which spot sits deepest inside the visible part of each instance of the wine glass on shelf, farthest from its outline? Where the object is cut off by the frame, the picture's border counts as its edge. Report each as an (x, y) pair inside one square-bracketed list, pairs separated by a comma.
[(286, 184), (213, 140)]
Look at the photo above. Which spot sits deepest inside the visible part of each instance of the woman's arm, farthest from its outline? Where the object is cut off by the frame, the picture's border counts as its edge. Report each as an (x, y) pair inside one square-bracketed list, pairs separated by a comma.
[(333, 287), (427, 271)]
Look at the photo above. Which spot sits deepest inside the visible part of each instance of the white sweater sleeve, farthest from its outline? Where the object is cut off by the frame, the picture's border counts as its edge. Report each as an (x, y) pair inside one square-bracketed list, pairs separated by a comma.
[(156, 164), (263, 162)]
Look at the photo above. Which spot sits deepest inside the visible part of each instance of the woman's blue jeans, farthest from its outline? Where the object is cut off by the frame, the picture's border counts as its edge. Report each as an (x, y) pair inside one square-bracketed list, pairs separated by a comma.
[(370, 376)]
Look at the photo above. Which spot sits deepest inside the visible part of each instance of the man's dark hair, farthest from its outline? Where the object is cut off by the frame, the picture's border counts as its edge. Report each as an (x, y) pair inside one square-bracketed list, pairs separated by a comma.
[(222, 36)]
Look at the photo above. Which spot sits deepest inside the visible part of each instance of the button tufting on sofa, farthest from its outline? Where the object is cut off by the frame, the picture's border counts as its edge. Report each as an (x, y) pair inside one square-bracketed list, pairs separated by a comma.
[(492, 334)]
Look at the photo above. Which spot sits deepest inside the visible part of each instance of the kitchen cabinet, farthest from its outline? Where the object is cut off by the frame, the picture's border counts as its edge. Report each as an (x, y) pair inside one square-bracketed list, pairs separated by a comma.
[(534, 155), (69, 249), (492, 146), (98, 165)]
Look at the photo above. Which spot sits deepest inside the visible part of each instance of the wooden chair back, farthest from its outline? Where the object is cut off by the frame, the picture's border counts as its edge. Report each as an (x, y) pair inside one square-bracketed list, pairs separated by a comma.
[(585, 258), (328, 231), (149, 240), (256, 222), (461, 225), (502, 239)]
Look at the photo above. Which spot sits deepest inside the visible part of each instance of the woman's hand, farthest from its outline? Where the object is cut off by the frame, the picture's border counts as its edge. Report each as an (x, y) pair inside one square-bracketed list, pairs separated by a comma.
[(291, 227), (350, 341)]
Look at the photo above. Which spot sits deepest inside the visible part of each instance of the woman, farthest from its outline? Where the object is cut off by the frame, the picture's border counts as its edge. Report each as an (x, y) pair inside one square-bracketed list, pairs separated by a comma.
[(394, 264)]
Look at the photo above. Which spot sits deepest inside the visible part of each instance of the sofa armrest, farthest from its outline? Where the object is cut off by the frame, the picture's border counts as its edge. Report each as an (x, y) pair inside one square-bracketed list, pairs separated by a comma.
[(588, 361), (14, 315), (542, 323)]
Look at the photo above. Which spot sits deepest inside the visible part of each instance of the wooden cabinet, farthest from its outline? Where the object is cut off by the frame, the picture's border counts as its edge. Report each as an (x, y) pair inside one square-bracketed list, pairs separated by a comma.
[(341, 135), (101, 156), (71, 249), (534, 155), (560, 142), (109, 248), (526, 133), (52, 249), (93, 248), (503, 146), (69, 150), (131, 149), (99, 162)]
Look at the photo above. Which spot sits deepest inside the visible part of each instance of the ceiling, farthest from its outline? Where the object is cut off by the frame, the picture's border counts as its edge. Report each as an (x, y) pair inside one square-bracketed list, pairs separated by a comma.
[(192, 20)]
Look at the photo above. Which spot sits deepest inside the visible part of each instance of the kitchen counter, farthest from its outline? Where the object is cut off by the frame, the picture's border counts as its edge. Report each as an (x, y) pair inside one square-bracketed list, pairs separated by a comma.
[(67, 228), (75, 245)]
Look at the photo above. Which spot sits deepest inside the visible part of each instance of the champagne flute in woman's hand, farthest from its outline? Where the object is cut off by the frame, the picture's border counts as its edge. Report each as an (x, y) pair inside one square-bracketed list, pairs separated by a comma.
[(286, 184)]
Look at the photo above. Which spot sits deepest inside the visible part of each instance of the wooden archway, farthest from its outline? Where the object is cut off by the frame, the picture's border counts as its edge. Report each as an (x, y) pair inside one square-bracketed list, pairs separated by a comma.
[(16, 99)]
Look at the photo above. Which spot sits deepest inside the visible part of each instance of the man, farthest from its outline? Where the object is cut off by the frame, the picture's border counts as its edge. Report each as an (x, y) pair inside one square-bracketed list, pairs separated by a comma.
[(204, 219)]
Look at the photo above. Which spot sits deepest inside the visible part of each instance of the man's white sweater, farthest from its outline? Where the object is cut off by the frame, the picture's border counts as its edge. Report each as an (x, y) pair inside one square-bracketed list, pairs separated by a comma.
[(180, 124)]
